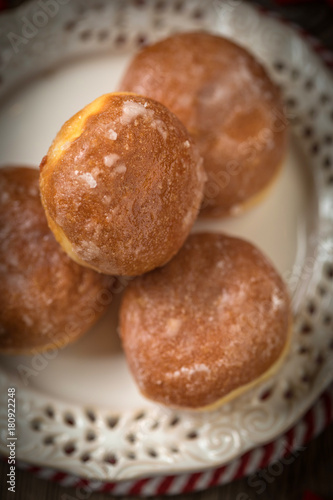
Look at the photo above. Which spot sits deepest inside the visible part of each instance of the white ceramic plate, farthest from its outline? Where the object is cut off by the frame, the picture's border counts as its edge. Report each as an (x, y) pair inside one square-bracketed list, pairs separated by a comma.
[(78, 408)]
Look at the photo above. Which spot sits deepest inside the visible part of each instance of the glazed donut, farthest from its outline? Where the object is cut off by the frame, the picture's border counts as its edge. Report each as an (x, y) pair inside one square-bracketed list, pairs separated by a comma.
[(47, 300), (210, 324), (230, 107), (122, 185)]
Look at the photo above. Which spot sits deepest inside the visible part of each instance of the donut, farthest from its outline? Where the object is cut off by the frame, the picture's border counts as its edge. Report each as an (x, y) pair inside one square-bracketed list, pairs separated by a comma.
[(122, 185), (207, 326), (229, 105), (47, 300)]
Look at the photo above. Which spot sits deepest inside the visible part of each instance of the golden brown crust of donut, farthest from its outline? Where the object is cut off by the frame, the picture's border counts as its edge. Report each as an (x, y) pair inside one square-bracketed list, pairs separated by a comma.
[(47, 300), (227, 102), (122, 185), (213, 320)]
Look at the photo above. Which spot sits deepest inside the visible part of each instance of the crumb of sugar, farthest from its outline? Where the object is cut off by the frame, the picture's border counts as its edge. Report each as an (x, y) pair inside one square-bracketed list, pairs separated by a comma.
[(173, 325), (111, 159), (27, 320), (121, 169), (87, 250), (106, 199), (132, 110), (277, 301), (112, 134), (188, 218), (160, 127), (88, 178), (197, 367), (4, 197)]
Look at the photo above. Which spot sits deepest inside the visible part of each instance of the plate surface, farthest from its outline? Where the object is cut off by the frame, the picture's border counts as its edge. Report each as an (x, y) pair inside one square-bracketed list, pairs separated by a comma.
[(78, 408)]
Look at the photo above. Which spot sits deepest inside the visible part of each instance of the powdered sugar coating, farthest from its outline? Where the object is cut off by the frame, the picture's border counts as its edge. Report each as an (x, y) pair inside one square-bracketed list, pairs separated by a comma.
[(120, 169), (89, 179), (213, 319), (144, 189), (132, 110), (111, 159), (47, 300), (112, 134), (228, 103), (161, 128)]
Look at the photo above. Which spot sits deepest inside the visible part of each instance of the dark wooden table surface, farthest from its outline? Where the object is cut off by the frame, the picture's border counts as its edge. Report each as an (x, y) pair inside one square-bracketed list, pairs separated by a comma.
[(312, 470)]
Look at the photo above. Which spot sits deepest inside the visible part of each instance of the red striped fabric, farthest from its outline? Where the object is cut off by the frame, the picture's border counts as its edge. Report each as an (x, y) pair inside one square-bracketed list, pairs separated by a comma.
[(308, 495), (328, 405), (137, 486), (216, 476), (289, 2), (165, 485), (309, 419), (3, 4), (242, 466), (190, 485), (289, 445), (108, 487), (82, 483), (58, 476), (269, 449)]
